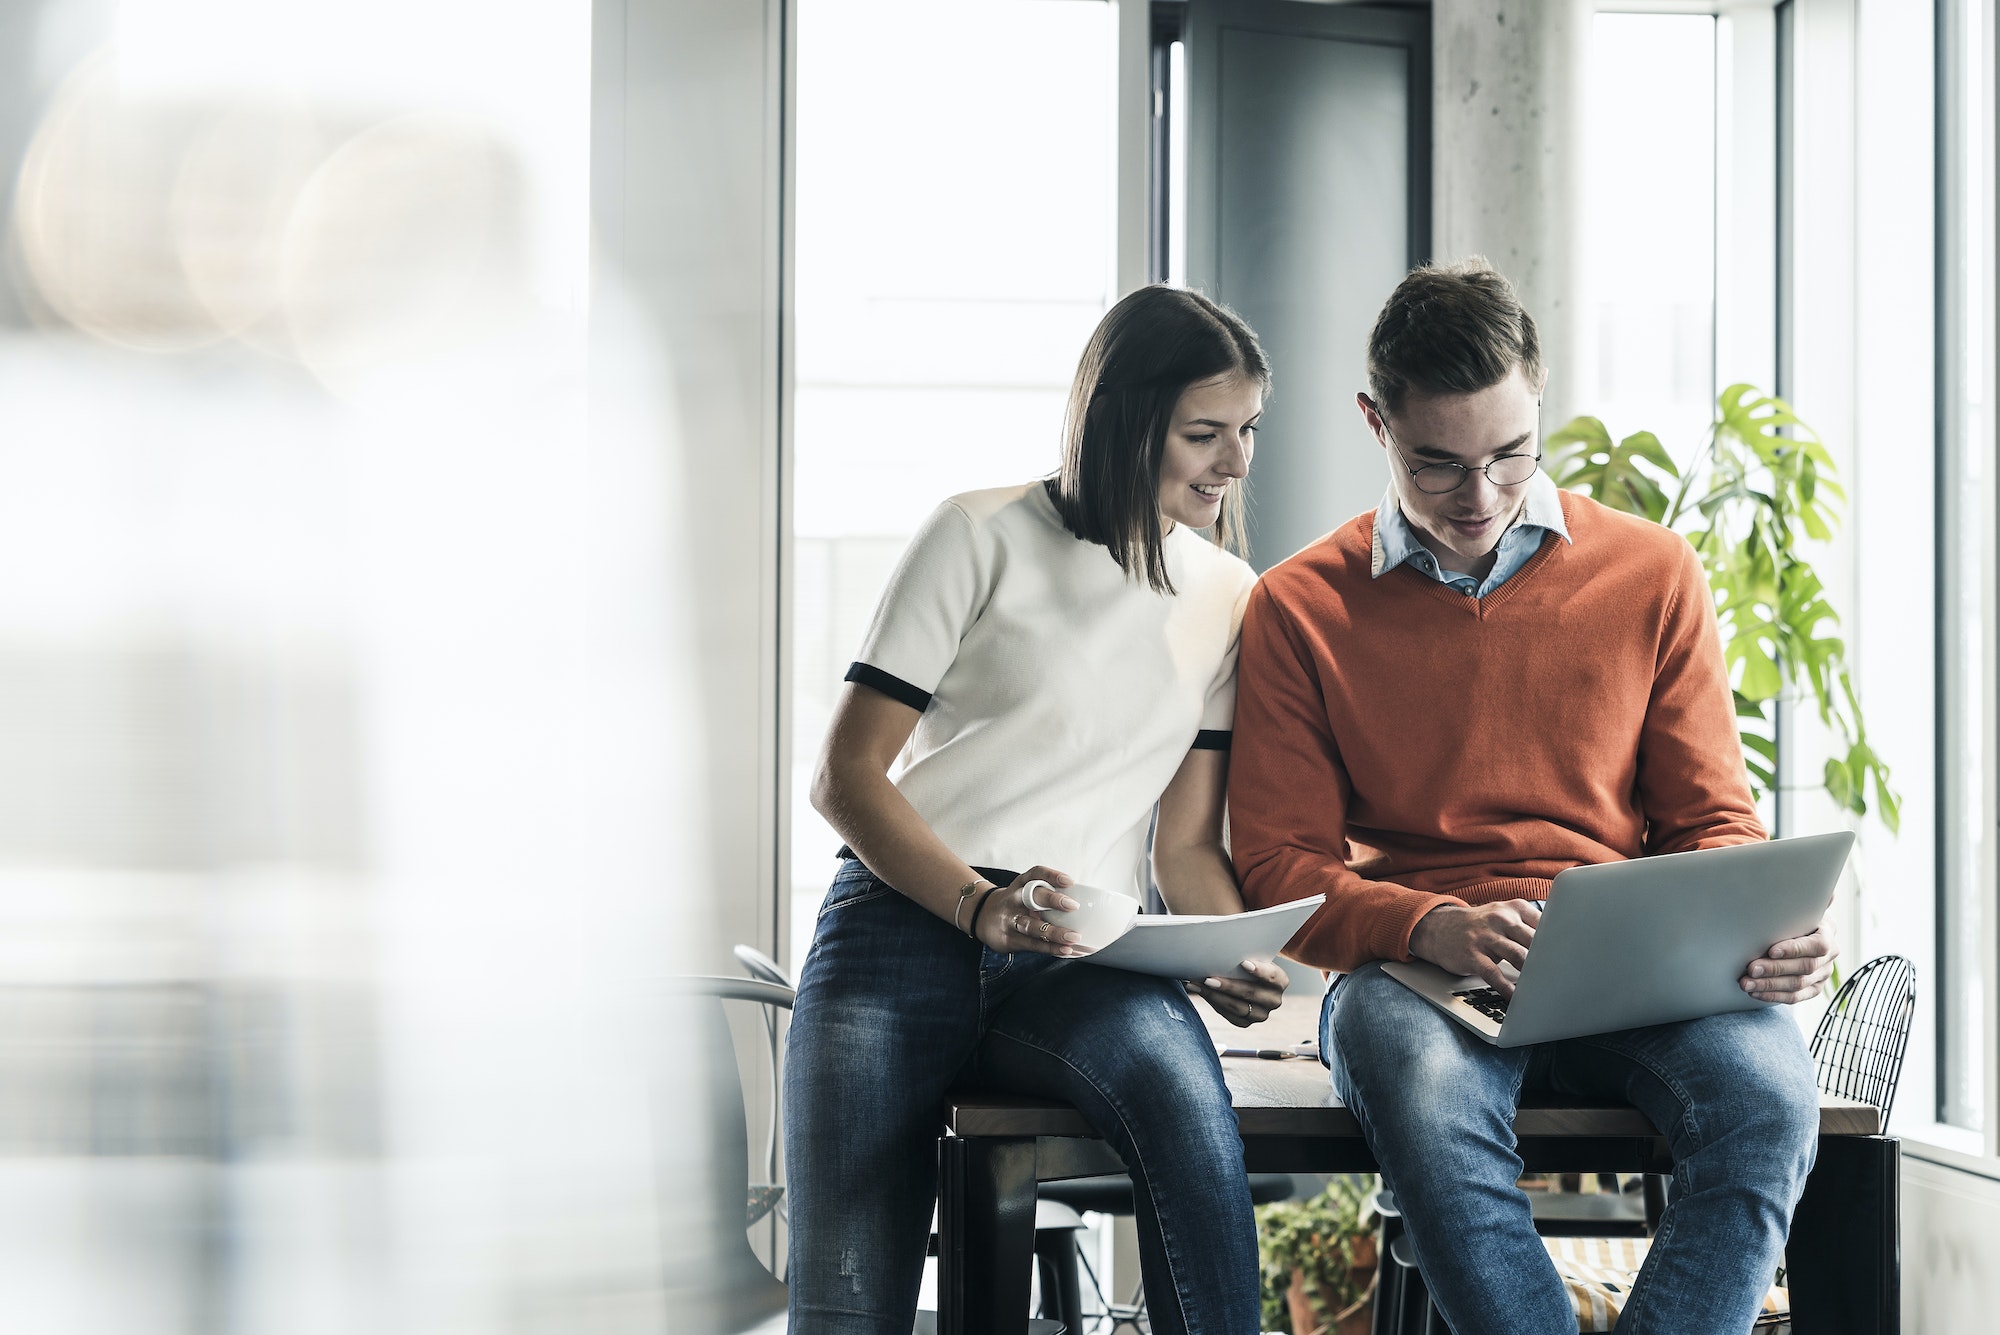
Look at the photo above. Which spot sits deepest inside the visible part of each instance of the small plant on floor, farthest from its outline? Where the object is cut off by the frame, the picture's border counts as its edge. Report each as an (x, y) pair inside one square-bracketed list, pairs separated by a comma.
[(1318, 1255)]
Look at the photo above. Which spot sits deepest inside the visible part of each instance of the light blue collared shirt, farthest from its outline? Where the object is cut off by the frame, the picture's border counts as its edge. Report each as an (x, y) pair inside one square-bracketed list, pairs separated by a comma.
[(1396, 542)]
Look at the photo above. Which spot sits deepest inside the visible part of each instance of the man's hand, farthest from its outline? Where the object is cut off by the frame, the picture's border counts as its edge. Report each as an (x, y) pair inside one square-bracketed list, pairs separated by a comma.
[(1794, 970), (1479, 940), (1245, 1001)]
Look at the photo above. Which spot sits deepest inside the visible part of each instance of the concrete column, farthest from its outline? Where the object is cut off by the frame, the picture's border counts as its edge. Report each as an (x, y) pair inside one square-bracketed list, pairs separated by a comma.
[(1134, 102), (1509, 81)]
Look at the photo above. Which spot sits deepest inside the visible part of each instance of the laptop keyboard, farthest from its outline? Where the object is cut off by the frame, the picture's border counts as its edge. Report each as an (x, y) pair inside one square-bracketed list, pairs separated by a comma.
[(1486, 1001)]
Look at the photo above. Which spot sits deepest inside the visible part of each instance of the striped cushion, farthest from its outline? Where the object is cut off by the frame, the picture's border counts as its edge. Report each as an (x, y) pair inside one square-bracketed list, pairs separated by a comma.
[(1599, 1274)]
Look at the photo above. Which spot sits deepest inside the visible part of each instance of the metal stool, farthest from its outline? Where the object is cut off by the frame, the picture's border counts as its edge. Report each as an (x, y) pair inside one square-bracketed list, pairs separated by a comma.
[(1112, 1194)]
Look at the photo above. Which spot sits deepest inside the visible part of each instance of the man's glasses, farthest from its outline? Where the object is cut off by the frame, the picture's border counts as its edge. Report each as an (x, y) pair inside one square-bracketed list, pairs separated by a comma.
[(1509, 470)]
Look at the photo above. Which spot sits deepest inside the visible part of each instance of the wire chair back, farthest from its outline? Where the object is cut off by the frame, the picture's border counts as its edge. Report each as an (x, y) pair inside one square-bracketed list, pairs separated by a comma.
[(1858, 1048)]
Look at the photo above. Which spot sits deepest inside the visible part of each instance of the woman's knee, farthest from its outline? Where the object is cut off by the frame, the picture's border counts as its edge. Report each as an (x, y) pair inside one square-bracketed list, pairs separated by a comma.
[(1142, 1058), (1168, 1049)]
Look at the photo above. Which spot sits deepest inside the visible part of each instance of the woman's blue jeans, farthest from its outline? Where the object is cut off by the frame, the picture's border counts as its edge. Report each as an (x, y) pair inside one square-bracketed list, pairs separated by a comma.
[(1733, 1094), (895, 1007)]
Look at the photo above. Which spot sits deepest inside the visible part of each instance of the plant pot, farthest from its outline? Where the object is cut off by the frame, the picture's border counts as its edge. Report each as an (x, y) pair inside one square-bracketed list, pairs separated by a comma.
[(1352, 1320)]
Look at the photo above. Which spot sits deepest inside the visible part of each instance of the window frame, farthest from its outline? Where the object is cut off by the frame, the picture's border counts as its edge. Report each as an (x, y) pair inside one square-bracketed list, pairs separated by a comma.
[(1967, 512)]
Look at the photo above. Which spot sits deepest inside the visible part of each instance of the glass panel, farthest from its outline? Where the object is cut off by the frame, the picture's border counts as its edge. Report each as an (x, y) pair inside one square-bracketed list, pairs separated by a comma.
[(951, 264), (1650, 266), (343, 682)]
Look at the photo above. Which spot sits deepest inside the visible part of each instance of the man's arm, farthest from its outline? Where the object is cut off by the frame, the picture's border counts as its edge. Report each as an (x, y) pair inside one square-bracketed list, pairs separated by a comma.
[(1692, 784), (1288, 796)]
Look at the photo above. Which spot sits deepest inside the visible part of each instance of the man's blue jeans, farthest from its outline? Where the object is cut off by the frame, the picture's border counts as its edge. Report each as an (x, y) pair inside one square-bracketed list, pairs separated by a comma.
[(895, 1007), (1733, 1094)]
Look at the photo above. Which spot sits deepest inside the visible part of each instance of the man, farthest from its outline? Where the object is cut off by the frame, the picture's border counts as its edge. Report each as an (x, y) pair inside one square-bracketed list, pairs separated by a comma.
[(1440, 706)]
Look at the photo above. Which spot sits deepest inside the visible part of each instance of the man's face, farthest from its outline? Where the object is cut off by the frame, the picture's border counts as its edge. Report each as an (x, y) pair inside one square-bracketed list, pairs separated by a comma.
[(1460, 527)]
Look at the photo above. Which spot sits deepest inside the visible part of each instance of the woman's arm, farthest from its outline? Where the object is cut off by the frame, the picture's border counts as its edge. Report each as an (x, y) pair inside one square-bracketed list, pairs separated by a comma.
[(1189, 862), (851, 789), (1193, 872)]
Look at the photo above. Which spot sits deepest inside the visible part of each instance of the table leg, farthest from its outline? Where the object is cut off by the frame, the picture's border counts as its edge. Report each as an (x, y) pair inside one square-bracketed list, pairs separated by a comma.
[(986, 1235), (1844, 1259)]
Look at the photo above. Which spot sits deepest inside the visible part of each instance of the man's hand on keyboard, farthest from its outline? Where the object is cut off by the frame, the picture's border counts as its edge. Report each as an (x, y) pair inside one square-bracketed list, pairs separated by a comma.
[(1479, 940)]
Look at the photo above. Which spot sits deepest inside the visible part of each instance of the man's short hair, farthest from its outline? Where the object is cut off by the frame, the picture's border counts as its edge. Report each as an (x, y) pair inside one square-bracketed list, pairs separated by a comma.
[(1450, 329)]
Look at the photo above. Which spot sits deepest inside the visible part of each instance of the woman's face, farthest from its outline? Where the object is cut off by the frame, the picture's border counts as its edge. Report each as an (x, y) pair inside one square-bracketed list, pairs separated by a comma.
[(1209, 444)]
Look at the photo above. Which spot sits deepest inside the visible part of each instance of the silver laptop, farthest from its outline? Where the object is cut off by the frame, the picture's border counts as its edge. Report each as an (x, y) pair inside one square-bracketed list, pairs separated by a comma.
[(1650, 941)]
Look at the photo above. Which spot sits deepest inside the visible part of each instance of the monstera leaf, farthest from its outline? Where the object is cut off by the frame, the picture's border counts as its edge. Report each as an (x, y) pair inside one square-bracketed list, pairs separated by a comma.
[(1590, 463)]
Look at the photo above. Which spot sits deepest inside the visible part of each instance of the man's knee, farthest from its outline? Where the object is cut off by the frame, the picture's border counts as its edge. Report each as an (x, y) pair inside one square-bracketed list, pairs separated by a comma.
[(1768, 1109), (1413, 1076), (1385, 1034)]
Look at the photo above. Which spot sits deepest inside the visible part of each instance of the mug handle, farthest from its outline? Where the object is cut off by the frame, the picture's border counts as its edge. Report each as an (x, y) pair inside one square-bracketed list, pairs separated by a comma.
[(1028, 895)]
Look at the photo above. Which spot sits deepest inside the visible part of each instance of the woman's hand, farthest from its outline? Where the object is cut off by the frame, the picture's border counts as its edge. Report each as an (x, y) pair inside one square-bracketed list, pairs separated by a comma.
[(1012, 920), (1245, 1001)]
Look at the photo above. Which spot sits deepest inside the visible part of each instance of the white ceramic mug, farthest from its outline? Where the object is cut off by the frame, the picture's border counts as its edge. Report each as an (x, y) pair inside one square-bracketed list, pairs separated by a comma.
[(1101, 916)]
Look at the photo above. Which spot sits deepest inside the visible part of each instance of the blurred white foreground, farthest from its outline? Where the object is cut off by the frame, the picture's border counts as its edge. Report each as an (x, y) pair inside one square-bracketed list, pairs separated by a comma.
[(346, 716)]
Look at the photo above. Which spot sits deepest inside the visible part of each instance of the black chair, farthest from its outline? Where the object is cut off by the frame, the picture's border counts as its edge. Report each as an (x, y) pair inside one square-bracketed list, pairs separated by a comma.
[(1857, 1053), (1858, 1048), (1407, 1309), (1393, 1278)]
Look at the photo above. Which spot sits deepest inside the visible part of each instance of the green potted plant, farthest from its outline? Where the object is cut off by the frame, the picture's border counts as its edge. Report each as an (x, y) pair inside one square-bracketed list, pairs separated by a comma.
[(1317, 1259), (1762, 482)]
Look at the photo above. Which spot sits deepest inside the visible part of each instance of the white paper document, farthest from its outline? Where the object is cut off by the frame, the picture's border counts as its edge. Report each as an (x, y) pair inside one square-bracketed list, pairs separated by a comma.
[(1204, 946)]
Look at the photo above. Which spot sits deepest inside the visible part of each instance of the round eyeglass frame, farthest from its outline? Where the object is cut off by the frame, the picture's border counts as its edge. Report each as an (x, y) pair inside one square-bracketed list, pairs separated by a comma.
[(1463, 470)]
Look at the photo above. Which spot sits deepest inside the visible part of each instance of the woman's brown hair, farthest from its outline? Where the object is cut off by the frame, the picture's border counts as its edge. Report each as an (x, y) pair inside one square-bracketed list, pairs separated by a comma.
[(1146, 350)]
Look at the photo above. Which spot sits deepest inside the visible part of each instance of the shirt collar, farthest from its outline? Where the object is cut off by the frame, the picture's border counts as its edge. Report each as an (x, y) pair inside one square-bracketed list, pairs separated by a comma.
[(1396, 542)]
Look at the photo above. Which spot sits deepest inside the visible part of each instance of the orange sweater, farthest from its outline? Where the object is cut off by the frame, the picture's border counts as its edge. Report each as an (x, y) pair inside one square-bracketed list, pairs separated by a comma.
[(1400, 745)]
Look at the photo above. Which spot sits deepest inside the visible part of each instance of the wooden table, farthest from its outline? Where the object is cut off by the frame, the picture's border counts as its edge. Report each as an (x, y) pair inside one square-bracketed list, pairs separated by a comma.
[(1843, 1261)]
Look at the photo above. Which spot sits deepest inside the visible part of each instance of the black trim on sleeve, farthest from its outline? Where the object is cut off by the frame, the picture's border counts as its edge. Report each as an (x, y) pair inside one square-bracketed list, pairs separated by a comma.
[(997, 875), (863, 674), (1211, 739)]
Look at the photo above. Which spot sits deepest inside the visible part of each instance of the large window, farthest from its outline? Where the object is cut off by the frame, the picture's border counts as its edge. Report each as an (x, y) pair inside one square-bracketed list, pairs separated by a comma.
[(1649, 230), (955, 248)]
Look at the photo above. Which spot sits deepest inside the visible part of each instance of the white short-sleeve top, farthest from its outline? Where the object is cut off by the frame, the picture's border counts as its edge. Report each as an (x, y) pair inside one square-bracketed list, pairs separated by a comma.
[(1059, 695)]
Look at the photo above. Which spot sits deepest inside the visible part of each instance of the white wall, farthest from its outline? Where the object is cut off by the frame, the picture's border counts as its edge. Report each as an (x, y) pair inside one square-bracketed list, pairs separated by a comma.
[(1951, 1282)]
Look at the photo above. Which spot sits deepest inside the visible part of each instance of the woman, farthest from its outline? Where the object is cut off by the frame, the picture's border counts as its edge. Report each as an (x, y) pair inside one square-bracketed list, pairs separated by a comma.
[(1050, 661)]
